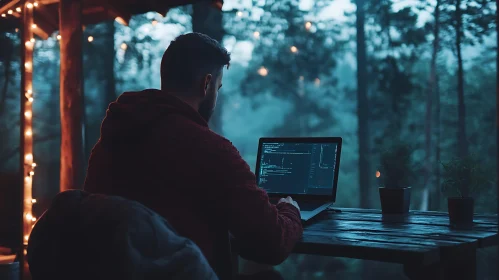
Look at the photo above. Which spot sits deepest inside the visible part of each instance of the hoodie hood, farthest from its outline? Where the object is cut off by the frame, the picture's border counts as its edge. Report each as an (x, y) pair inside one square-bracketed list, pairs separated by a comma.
[(133, 113)]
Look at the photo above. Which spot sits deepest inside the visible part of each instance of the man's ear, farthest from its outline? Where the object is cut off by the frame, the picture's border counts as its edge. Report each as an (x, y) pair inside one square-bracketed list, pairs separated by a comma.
[(206, 82)]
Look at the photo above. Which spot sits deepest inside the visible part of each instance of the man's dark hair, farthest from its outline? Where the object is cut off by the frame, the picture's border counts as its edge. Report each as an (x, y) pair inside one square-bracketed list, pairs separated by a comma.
[(190, 57)]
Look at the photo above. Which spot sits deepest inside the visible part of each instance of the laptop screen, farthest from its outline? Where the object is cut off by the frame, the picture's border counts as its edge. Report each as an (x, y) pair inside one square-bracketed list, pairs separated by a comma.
[(302, 168)]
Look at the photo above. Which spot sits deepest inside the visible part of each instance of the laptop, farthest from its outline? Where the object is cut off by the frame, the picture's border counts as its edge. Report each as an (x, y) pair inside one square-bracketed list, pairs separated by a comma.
[(304, 168)]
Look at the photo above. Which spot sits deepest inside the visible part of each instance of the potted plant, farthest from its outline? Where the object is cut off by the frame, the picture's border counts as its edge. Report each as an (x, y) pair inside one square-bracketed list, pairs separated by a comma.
[(462, 178), (395, 172)]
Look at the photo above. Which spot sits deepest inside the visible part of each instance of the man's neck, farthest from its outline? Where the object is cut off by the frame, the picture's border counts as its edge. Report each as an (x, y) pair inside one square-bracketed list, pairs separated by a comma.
[(184, 97)]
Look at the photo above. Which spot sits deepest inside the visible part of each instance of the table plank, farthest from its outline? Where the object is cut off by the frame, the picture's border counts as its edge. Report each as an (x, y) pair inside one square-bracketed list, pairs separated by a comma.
[(418, 238), (484, 230)]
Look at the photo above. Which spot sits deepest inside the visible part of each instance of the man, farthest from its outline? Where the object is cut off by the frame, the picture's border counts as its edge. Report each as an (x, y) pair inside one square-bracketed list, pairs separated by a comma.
[(156, 148)]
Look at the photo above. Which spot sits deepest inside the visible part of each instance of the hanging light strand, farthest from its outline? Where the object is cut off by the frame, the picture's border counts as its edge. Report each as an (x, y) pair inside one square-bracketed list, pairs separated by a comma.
[(27, 112)]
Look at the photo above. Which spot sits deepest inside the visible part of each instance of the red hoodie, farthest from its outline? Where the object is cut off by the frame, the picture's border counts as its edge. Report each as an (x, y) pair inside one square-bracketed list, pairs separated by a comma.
[(158, 150)]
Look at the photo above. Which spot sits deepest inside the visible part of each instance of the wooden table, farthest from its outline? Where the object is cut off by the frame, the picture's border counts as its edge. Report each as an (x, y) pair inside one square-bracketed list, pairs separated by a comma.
[(422, 241)]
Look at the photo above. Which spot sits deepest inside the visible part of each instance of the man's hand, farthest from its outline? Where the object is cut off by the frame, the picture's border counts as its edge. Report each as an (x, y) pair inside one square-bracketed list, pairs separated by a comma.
[(290, 201)]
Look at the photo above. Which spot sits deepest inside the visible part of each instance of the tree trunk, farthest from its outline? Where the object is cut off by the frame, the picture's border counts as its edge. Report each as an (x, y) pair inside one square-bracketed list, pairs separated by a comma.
[(109, 56), (71, 94), (362, 107), (497, 119), (436, 47), (207, 19), (432, 81), (461, 123)]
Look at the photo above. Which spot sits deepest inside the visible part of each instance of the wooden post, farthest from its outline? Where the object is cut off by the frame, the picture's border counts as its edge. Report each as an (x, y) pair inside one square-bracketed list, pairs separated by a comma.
[(71, 94)]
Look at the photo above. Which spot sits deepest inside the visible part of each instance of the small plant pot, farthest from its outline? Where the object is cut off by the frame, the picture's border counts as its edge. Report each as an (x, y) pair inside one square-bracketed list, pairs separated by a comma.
[(395, 200), (460, 210)]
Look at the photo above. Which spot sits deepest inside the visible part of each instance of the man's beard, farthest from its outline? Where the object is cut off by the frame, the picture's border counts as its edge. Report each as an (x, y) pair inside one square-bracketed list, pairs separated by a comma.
[(206, 109)]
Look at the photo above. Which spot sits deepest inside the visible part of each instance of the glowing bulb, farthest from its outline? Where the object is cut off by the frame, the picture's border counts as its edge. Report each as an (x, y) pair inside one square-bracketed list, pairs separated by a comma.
[(29, 132), (10, 12), (33, 165), (263, 71), (120, 20), (27, 65), (294, 49), (124, 46), (34, 26), (308, 25), (30, 6), (18, 9), (317, 81), (33, 200), (29, 157), (4, 15), (32, 40), (29, 91), (17, 30), (27, 114), (27, 178), (90, 38), (154, 22), (378, 174), (239, 14), (59, 37), (256, 34), (33, 219), (29, 216), (32, 173), (30, 100), (28, 44), (35, 4), (26, 237)]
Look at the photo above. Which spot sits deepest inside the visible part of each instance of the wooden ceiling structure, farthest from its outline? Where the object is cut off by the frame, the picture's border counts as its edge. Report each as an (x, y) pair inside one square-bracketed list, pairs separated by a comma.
[(46, 14), (41, 18)]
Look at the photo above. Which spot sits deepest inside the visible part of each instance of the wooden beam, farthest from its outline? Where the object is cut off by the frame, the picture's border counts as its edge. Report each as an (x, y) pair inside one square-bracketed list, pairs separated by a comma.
[(71, 94), (10, 6)]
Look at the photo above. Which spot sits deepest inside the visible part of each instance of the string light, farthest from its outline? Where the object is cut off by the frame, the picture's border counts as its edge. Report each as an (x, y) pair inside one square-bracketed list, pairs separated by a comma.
[(263, 71), (35, 4), (18, 9), (124, 46), (59, 37), (27, 65), (29, 132), (10, 12), (32, 40), (34, 26), (294, 49), (154, 22), (308, 25), (27, 114), (256, 34), (4, 15), (90, 39), (120, 20), (239, 14), (33, 200), (29, 6)]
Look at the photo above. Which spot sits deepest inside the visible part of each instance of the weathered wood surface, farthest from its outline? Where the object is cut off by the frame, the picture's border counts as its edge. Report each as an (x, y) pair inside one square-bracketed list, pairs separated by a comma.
[(71, 94), (418, 238)]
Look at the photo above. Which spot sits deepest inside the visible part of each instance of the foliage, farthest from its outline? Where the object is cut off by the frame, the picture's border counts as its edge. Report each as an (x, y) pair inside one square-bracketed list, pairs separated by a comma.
[(299, 53), (396, 166), (464, 177)]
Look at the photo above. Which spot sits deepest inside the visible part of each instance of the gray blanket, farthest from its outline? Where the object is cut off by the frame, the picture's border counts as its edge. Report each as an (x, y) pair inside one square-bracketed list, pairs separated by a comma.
[(88, 236)]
